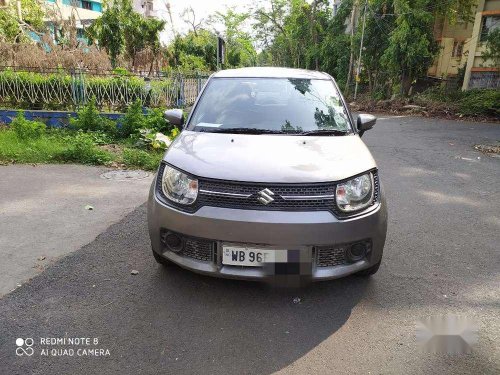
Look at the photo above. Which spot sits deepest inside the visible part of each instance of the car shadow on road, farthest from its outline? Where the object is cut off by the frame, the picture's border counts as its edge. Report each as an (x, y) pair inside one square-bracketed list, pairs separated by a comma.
[(247, 327), (166, 320)]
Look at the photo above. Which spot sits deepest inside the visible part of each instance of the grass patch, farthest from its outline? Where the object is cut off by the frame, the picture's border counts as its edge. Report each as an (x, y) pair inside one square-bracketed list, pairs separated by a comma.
[(45, 149), (90, 139), (141, 159), (63, 146), (82, 149)]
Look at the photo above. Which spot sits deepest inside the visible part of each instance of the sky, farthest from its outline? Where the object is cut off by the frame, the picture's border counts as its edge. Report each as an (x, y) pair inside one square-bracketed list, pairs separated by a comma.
[(202, 9)]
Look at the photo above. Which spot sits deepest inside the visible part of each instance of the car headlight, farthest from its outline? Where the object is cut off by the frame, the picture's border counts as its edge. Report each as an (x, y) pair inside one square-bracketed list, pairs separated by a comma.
[(355, 194), (178, 187)]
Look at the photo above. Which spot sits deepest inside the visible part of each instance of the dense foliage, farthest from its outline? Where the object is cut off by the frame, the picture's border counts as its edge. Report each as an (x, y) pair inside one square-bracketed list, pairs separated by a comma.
[(399, 45), (61, 91), (485, 102), (121, 29), (134, 142), (493, 47), (13, 29), (27, 130)]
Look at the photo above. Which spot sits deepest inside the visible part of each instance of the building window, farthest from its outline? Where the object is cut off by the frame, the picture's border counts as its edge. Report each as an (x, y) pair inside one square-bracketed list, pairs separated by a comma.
[(147, 5), (458, 48), (490, 23), (86, 5)]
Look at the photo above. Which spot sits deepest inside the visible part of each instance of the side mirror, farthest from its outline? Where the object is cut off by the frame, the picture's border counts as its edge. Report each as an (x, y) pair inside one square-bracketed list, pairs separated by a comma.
[(365, 122), (175, 117)]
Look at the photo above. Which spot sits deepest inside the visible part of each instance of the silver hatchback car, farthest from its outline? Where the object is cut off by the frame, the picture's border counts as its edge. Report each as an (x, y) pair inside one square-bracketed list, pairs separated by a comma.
[(269, 177)]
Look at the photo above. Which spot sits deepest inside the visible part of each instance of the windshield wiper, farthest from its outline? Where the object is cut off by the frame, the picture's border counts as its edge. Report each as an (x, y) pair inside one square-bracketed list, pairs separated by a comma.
[(324, 132), (243, 131)]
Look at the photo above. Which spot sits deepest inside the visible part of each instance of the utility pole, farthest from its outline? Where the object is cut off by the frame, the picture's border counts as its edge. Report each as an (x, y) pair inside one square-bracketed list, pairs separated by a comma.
[(167, 5), (19, 11), (358, 68), (351, 57)]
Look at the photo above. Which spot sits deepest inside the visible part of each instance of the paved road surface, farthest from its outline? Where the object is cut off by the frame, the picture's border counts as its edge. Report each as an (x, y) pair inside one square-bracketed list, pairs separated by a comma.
[(43, 215), (441, 256)]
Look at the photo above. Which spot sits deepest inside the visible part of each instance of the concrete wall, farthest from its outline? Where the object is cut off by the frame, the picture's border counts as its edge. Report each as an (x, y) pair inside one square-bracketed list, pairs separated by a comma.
[(448, 36), (50, 118), (446, 64), (68, 10), (476, 65)]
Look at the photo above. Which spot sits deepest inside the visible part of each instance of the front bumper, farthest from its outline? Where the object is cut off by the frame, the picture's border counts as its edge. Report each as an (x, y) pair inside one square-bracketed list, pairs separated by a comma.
[(301, 232)]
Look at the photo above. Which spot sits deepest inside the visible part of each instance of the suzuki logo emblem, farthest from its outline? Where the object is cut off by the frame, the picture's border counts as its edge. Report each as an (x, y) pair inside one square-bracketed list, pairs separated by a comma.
[(265, 196)]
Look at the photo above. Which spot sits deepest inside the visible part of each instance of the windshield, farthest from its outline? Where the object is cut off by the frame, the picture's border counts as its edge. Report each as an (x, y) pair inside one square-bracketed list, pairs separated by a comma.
[(277, 105)]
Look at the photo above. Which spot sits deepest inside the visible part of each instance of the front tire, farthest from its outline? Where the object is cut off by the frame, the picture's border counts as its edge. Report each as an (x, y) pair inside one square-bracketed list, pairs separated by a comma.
[(369, 271), (161, 260)]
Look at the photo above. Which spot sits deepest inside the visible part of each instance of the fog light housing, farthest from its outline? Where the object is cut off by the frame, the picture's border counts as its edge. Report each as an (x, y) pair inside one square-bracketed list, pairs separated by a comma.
[(356, 252), (172, 241)]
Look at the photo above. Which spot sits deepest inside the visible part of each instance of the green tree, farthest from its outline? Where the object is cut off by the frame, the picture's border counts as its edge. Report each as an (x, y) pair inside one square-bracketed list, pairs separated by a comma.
[(122, 30), (379, 25), (334, 50), (107, 30), (15, 30), (239, 44), (412, 46), (493, 48), (269, 27), (194, 51)]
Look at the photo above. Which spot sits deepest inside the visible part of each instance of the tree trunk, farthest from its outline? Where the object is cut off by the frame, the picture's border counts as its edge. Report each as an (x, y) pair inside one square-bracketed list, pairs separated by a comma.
[(405, 84), (351, 56), (370, 81)]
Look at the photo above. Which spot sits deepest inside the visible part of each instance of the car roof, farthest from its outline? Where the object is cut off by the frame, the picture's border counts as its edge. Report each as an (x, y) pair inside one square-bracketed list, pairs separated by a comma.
[(268, 72)]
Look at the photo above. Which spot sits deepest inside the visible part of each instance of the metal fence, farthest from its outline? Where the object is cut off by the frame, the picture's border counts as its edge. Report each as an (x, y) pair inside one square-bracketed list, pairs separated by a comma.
[(61, 89), (484, 80)]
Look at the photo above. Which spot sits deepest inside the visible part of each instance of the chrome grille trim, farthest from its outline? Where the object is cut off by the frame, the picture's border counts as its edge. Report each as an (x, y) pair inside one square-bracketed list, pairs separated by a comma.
[(223, 194), (307, 197)]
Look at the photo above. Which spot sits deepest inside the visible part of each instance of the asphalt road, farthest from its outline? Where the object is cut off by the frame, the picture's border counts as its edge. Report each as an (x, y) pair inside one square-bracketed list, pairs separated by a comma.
[(441, 256), (43, 215)]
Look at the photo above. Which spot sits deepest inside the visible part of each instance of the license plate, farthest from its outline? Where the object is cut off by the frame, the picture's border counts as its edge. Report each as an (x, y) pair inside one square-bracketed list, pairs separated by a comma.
[(249, 256)]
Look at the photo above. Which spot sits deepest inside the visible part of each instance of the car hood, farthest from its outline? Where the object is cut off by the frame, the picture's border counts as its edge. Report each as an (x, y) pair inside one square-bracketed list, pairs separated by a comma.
[(269, 158)]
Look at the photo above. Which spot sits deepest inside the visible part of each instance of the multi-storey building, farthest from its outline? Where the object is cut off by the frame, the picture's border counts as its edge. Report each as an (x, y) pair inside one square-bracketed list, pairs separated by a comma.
[(462, 47), (83, 11), (144, 7)]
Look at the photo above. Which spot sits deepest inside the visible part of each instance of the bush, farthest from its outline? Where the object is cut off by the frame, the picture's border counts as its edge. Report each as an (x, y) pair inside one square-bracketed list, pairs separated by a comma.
[(155, 120), (477, 102), (26, 129), (89, 119), (83, 150), (484, 102), (142, 159), (110, 91), (133, 120)]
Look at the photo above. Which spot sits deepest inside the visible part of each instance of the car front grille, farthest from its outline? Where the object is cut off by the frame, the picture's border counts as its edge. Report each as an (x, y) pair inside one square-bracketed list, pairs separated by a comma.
[(285, 197), (199, 249), (328, 256), (246, 195)]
